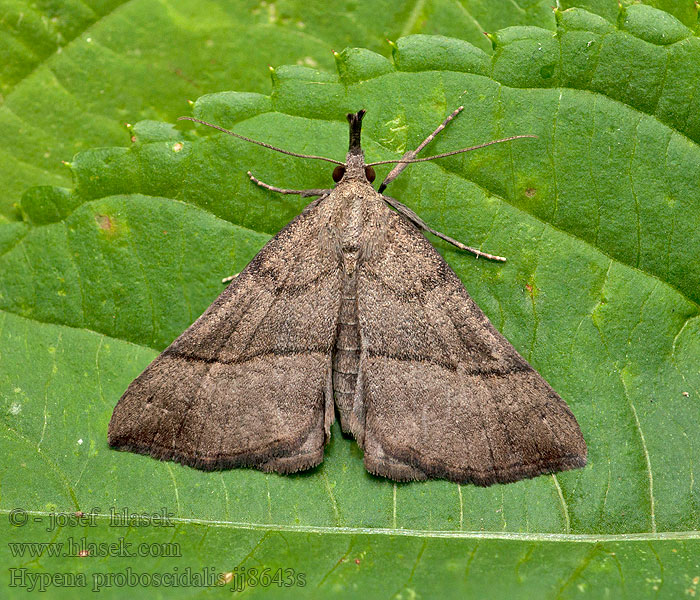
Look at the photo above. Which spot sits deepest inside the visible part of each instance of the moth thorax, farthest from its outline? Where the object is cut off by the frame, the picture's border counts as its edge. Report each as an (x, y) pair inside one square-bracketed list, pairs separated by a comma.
[(355, 166)]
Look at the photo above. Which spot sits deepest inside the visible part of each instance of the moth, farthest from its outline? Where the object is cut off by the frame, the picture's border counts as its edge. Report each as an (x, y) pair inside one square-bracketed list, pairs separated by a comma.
[(350, 310)]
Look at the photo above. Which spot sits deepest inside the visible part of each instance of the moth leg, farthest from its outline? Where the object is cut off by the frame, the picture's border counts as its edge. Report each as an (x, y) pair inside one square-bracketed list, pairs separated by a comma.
[(418, 222), (411, 154), (302, 193)]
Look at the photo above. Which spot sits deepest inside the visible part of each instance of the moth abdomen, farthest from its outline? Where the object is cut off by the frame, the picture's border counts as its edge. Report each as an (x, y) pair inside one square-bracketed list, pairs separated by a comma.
[(346, 351)]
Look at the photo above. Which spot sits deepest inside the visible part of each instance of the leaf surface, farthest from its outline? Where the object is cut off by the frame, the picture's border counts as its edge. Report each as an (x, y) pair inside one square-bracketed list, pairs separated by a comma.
[(598, 218)]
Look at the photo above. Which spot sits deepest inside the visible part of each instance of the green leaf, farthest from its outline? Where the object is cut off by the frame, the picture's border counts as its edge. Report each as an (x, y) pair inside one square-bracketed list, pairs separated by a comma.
[(598, 218), (686, 11), (73, 73)]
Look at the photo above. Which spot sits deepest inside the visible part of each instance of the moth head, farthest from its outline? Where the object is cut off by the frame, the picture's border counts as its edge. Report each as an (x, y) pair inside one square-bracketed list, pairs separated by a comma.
[(354, 167), (339, 173)]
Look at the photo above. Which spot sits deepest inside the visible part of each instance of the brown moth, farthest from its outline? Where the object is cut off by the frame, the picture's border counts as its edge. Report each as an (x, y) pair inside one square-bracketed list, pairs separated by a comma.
[(349, 308)]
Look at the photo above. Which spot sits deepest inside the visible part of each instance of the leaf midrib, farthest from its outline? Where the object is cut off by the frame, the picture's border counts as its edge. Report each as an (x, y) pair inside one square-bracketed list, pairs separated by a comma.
[(423, 533)]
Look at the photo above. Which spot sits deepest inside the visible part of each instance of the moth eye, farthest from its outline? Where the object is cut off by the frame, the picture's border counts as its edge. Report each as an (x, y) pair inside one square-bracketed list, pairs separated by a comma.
[(338, 173), (370, 174)]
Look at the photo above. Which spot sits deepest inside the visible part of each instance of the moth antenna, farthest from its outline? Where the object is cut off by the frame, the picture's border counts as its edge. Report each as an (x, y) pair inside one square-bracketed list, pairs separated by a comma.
[(444, 154), (263, 144)]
